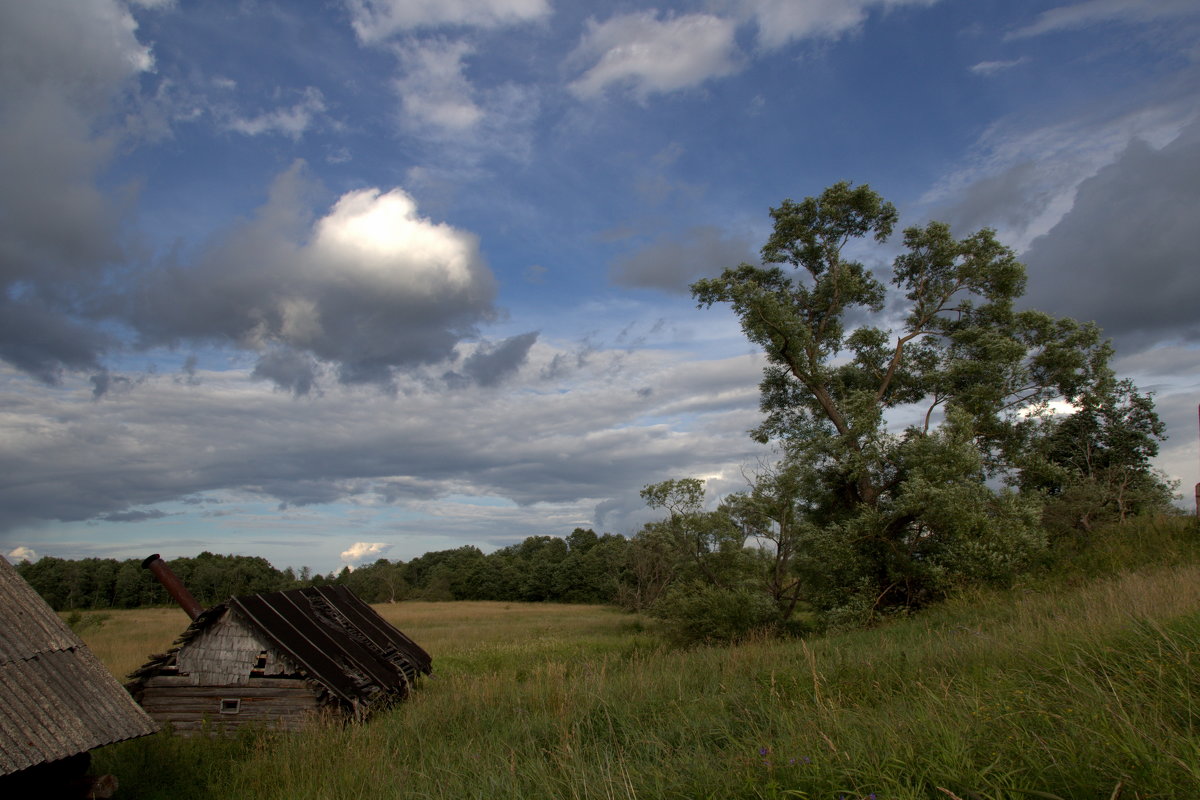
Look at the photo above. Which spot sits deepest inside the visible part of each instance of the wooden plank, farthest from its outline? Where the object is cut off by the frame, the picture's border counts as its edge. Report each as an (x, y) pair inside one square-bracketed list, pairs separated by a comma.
[(294, 698), (211, 707), (307, 643), (379, 631), (181, 681), (200, 712), (189, 723), (257, 695)]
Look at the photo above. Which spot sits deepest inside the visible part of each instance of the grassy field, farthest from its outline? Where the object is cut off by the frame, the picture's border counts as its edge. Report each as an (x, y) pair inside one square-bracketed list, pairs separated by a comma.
[(1072, 688)]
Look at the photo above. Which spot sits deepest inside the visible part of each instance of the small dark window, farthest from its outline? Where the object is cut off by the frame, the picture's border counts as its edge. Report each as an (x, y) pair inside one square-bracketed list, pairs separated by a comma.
[(233, 706)]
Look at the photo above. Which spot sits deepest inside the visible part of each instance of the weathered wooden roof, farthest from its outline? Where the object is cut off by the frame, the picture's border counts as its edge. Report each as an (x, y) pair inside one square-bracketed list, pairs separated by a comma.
[(59, 700), (335, 638)]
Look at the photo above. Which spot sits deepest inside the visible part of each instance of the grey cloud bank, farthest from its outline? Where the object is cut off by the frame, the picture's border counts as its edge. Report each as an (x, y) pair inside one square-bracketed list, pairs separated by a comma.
[(1127, 254)]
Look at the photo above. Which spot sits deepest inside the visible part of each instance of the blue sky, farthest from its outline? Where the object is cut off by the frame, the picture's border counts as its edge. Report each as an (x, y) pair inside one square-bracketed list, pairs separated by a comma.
[(325, 281)]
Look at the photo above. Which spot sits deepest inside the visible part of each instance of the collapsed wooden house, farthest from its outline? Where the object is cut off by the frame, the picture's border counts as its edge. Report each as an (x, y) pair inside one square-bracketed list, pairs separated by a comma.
[(275, 660), (59, 700)]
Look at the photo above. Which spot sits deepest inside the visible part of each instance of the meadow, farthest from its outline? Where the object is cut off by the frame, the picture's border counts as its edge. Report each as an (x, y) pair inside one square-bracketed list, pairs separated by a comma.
[(1078, 684)]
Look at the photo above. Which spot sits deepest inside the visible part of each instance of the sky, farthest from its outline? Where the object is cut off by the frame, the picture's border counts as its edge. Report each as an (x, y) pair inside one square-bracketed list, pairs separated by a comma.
[(327, 281)]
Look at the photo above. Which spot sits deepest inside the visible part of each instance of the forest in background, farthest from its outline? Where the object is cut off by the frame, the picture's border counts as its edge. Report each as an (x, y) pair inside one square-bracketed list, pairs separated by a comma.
[(582, 567)]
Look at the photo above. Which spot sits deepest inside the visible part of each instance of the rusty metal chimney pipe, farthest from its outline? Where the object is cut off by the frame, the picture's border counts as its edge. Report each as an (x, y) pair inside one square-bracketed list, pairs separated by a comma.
[(173, 585)]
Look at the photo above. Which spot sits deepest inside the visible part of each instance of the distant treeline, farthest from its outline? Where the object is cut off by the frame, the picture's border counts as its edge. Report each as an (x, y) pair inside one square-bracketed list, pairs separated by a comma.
[(580, 568)]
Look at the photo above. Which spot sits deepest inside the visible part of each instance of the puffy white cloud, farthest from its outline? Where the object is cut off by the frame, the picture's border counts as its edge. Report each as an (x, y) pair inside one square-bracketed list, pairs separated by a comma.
[(292, 121), (783, 21), (22, 553), (463, 122), (360, 551), (375, 20), (378, 240), (433, 89), (648, 55)]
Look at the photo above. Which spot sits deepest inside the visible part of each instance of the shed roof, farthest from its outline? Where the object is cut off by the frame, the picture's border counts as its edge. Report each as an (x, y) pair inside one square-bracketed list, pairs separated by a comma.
[(338, 641), (59, 700)]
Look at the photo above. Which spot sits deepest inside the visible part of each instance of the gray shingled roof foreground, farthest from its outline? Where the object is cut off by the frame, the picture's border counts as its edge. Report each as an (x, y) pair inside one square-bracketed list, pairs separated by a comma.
[(59, 700)]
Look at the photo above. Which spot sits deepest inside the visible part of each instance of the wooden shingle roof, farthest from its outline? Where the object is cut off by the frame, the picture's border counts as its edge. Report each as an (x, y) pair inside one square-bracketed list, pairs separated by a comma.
[(59, 700)]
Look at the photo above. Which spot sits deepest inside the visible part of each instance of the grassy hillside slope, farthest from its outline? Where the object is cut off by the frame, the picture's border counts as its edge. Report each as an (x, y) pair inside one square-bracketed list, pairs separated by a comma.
[(1081, 684)]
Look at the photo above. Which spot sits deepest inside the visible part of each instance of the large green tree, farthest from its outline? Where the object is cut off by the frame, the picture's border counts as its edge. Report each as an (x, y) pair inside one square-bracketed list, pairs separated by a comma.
[(898, 407)]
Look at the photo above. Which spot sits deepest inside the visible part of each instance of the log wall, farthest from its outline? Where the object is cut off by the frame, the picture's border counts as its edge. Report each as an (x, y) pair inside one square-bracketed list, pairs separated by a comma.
[(275, 703)]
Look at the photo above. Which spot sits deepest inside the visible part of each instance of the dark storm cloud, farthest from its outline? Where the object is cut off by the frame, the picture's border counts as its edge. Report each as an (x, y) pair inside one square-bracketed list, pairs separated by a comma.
[(492, 363), (62, 65), (671, 264), (308, 492), (288, 370), (1127, 255), (43, 342), (1014, 197), (104, 381), (133, 516)]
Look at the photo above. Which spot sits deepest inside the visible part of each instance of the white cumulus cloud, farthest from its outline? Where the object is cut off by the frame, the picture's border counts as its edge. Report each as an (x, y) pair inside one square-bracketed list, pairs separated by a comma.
[(22, 553), (433, 89), (375, 20), (649, 55), (379, 239), (783, 21), (291, 121), (359, 551)]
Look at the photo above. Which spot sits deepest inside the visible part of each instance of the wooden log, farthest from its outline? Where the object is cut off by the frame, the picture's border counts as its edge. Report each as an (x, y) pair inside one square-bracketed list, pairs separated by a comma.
[(252, 683)]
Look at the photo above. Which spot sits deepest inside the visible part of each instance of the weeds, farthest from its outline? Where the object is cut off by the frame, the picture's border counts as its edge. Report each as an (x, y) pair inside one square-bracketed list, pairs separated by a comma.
[(81, 622)]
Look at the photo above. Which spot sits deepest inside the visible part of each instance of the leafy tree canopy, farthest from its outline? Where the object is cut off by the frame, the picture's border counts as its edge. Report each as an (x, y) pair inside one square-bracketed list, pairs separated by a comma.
[(901, 404)]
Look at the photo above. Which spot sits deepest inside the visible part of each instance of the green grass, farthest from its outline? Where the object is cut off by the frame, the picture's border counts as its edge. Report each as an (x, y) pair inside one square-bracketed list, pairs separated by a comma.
[(1070, 688)]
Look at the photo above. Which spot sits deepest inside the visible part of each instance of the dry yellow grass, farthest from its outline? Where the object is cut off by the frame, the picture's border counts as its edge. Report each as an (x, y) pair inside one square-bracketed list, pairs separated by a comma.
[(451, 632), (454, 627), (126, 639), (480, 637)]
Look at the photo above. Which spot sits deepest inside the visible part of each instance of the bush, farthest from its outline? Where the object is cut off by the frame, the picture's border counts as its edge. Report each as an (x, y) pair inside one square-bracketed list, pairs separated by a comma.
[(698, 613)]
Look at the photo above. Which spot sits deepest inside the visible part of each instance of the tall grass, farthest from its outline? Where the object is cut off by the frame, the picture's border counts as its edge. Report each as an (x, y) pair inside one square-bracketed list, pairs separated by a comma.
[(1070, 690), (123, 639)]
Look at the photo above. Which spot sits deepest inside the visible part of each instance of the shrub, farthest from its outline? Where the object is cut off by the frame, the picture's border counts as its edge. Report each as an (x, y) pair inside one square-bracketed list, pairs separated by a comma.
[(698, 613)]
